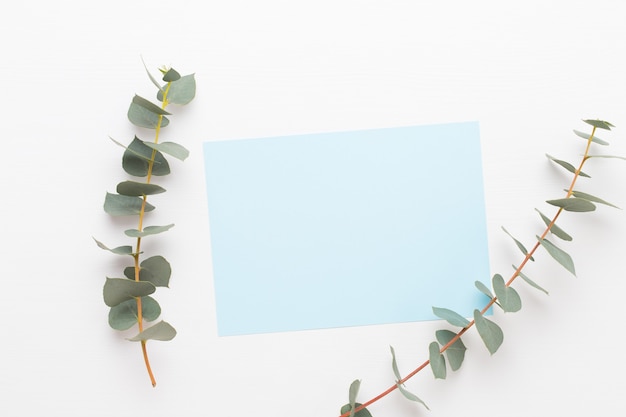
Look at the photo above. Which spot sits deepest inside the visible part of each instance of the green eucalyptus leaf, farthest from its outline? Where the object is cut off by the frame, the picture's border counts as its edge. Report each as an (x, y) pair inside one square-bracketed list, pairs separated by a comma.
[(144, 274), (555, 230), (138, 189), (606, 156), (160, 270), (558, 254), (408, 395), (147, 231), (170, 148), (118, 290), (154, 81), (567, 166), (510, 300), (601, 124), (120, 250), (124, 316), (595, 139), (519, 244), (162, 331), (361, 413), (437, 361), (456, 351), (530, 281), (142, 116), (148, 105), (171, 75), (589, 197), (483, 288), (451, 317), (578, 205), (181, 91), (490, 332), (136, 160), (123, 205), (352, 394)]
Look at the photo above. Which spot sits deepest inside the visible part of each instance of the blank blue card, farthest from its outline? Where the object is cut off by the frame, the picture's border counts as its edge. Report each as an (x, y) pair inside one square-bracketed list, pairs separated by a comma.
[(348, 228)]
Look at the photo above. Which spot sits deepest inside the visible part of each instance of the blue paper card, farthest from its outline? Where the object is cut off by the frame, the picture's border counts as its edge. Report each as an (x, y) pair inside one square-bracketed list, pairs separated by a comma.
[(347, 228)]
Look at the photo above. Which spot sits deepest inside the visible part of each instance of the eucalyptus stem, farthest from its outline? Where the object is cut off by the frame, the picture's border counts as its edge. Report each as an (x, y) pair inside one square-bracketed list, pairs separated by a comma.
[(494, 299), (130, 297), (142, 212)]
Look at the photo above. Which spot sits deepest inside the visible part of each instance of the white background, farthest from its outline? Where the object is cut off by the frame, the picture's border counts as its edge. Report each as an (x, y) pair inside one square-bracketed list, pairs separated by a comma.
[(527, 71)]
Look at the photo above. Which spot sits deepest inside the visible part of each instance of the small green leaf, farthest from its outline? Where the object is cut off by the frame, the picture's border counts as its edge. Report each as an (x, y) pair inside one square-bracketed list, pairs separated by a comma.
[(567, 166), (162, 331), (141, 116), (170, 148), (578, 205), (124, 316), (483, 288), (451, 317), (118, 290), (181, 91), (138, 189), (490, 333), (555, 230), (120, 250), (606, 156), (408, 395), (594, 140), (437, 361), (558, 254), (601, 124), (171, 75), (361, 413), (148, 105), (521, 247), (154, 81), (456, 351), (589, 197), (510, 300), (147, 231), (155, 269), (144, 274), (530, 281), (352, 394), (136, 160), (123, 205)]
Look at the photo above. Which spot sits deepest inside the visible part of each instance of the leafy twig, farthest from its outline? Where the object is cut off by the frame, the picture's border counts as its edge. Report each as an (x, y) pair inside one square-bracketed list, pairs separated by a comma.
[(505, 296)]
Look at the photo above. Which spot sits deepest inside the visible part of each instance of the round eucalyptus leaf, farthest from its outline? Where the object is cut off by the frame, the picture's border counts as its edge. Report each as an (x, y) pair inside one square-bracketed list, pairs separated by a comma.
[(144, 274), (118, 290), (142, 117), (123, 205), (170, 148), (181, 91), (489, 331), (136, 160), (160, 270), (161, 331), (147, 231), (456, 351), (361, 413), (171, 75), (138, 189), (124, 316), (510, 300)]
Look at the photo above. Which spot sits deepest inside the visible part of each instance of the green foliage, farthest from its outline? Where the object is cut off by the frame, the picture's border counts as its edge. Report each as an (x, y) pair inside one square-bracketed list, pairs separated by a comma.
[(456, 351), (489, 331), (448, 349), (129, 298)]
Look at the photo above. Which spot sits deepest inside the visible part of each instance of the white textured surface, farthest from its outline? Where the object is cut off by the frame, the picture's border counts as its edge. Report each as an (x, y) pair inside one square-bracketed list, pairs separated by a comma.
[(528, 71)]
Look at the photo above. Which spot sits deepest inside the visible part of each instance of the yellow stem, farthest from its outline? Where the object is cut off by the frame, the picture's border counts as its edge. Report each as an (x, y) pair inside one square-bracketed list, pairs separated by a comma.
[(140, 228)]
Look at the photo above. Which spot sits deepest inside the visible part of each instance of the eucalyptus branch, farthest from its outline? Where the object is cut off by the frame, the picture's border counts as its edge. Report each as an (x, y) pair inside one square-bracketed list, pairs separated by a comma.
[(129, 297), (503, 294)]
